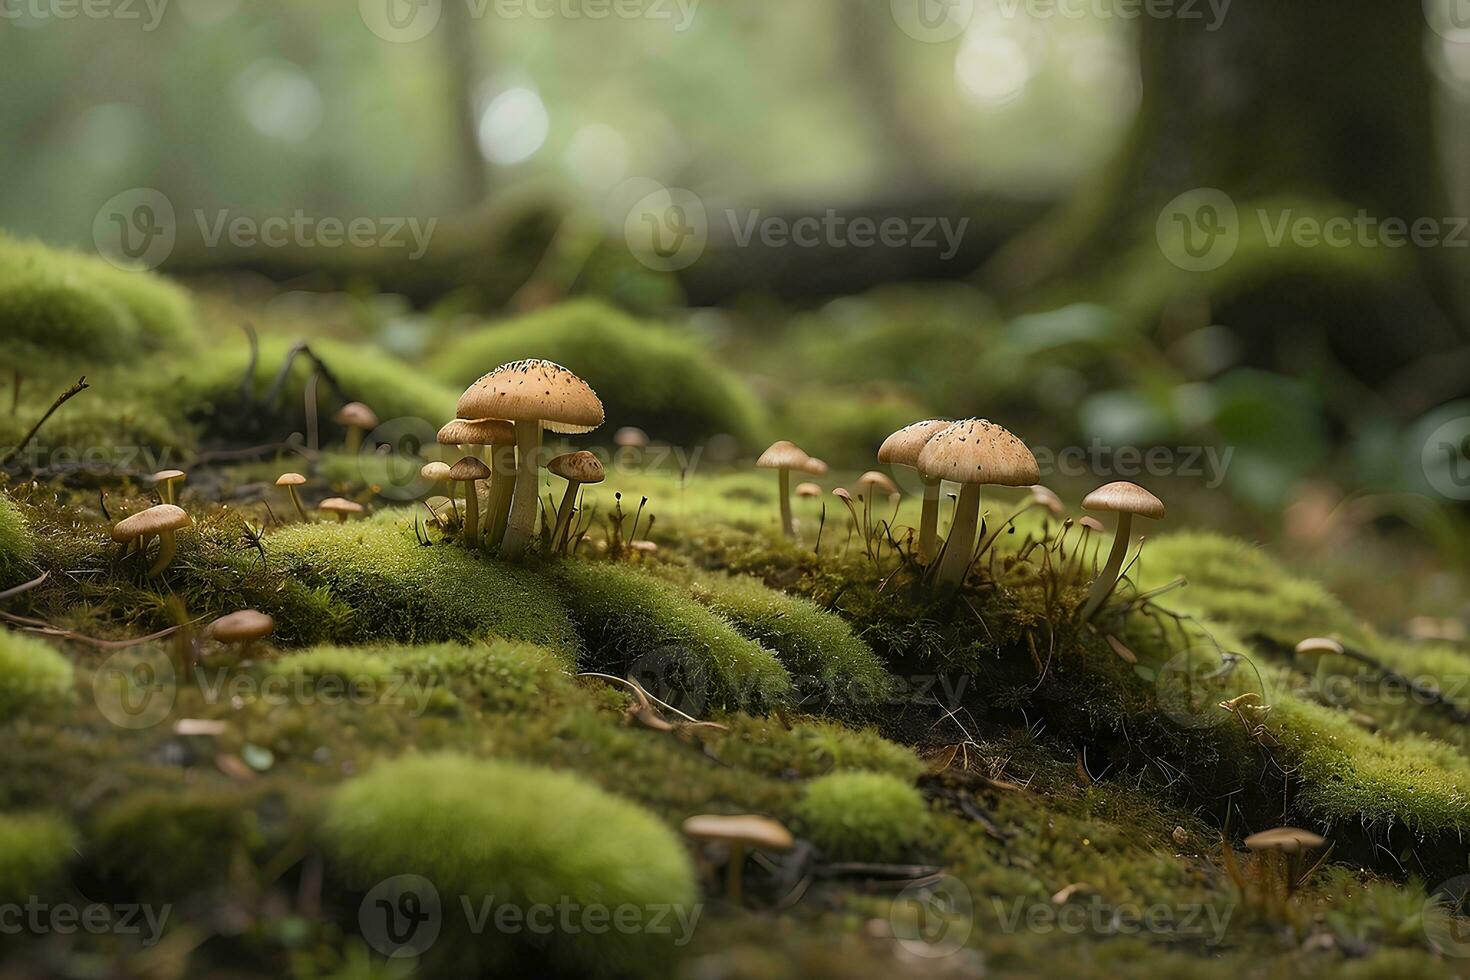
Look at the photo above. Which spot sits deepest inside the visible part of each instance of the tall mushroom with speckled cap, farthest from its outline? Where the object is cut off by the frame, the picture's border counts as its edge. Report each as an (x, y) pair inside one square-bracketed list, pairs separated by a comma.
[(784, 457), (902, 449), (1125, 499), (576, 468), (973, 453), (534, 394)]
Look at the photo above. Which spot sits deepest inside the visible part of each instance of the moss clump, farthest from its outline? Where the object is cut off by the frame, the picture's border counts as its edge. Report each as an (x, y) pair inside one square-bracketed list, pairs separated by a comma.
[(646, 375), (863, 816), (16, 547), (33, 676), (394, 588), (522, 837), (34, 848), (678, 649), (170, 844), (814, 748)]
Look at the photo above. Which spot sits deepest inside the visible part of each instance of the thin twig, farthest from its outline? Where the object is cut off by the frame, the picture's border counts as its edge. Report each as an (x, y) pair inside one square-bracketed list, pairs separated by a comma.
[(61, 400)]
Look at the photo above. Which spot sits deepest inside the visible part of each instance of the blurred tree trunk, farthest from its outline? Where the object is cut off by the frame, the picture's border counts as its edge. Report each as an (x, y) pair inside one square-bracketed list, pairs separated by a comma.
[(463, 75)]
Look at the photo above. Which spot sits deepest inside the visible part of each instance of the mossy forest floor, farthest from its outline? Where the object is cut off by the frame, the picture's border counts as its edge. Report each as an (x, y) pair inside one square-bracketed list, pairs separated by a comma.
[(439, 753)]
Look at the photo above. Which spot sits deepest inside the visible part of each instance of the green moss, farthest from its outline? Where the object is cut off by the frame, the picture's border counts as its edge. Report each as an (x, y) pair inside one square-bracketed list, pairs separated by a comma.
[(33, 676), (863, 816), (519, 836), (16, 547), (169, 844), (646, 375), (398, 589), (34, 848), (815, 748), (631, 621)]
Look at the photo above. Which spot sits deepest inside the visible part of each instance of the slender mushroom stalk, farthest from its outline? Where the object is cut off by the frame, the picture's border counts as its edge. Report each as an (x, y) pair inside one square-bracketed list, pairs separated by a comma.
[(470, 471), (502, 490), (784, 456), (576, 468), (902, 448), (471, 436), (291, 481), (358, 419), (872, 484), (534, 394), (165, 479), (1125, 499)]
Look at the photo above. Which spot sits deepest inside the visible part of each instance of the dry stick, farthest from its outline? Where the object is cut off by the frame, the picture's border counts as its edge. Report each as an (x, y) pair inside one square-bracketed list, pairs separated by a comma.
[(29, 625), (311, 416), (24, 587), (61, 400)]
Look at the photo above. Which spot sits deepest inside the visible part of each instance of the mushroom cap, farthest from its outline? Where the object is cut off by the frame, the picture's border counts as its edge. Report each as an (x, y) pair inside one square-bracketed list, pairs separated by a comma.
[(1319, 644), (435, 470), (1092, 524), (815, 467), (630, 435), (154, 520), (878, 481), (902, 447), (1126, 498), (290, 480), (356, 414), (808, 490), (247, 624), (340, 505), (647, 547), (740, 829), (978, 451), (165, 475), (534, 390), (581, 467), (469, 468), (1047, 498), (783, 455), (1287, 839), (478, 432), (842, 493)]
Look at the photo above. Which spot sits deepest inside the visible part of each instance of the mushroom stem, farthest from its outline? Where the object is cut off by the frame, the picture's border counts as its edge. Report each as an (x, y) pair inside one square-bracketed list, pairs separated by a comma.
[(961, 545), (296, 502), (354, 440), (502, 485), (166, 548), (929, 523), (522, 520), (471, 515), (564, 514), (787, 527), (1108, 577)]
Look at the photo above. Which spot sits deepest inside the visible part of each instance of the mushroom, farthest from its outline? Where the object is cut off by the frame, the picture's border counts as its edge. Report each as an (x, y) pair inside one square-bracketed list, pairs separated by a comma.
[(973, 453), (1125, 499), (1089, 525), (784, 456), (739, 832), (1289, 842), (359, 419), (815, 467), (902, 449), (242, 628), (162, 520), (1319, 645), (1046, 497), (629, 439), (534, 394), (468, 471), (291, 481), (341, 507), (871, 484), (500, 436), (808, 490), (576, 468), (165, 479)]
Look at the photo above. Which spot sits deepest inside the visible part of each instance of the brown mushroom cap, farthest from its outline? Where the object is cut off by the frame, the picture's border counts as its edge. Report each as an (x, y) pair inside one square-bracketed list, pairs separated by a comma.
[(356, 414), (741, 829), (782, 455), (1092, 524), (478, 432), (436, 470), (808, 490), (647, 547), (978, 451), (1287, 839), (815, 467), (163, 476), (468, 469), (902, 447), (630, 436), (1047, 498), (340, 505), (290, 480), (238, 627), (534, 390), (1319, 644), (582, 467), (842, 493), (154, 520), (878, 481), (1124, 497)]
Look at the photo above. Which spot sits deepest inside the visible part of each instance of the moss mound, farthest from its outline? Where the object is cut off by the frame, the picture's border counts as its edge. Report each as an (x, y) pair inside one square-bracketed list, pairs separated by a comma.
[(679, 650), (34, 848), (484, 831), (863, 816), (645, 375), (33, 676), (16, 547), (169, 844), (389, 586)]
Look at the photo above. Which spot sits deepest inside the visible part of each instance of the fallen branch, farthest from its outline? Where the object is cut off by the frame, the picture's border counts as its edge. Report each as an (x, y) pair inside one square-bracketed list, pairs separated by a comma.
[(61, 400)]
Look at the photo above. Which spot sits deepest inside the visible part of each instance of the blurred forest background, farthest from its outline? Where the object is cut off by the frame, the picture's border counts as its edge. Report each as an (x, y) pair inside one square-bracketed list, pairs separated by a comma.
[(1062, 142)]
